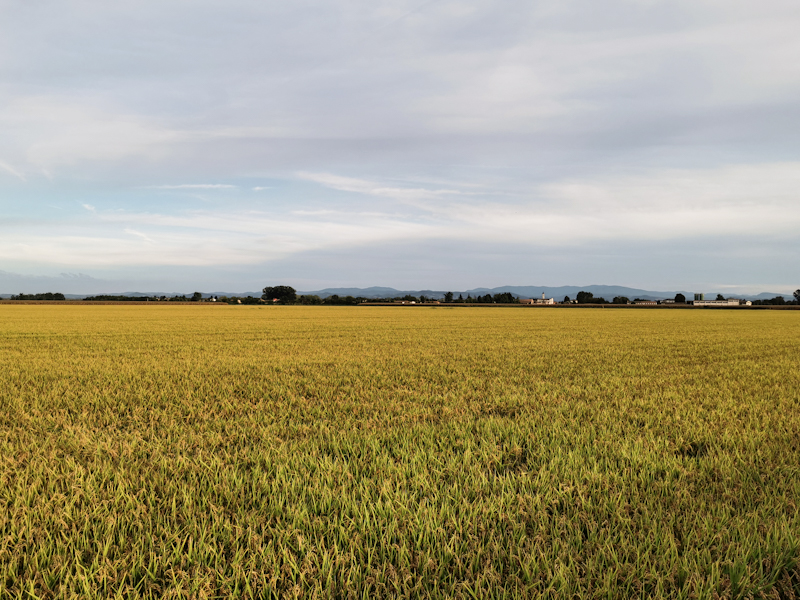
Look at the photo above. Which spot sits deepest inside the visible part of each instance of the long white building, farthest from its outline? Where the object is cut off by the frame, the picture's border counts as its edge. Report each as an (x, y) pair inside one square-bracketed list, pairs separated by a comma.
[(728, 302)]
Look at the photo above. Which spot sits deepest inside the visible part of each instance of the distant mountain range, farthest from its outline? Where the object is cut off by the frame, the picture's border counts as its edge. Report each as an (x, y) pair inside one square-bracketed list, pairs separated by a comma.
[(528, 291)]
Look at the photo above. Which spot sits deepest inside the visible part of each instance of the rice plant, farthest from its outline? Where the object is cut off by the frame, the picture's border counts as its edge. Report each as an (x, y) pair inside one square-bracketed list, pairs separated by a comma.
[(352, 452)]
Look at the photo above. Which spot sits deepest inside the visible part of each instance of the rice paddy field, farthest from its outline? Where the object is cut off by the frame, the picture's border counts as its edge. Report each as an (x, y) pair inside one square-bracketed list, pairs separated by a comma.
[(371, 452)]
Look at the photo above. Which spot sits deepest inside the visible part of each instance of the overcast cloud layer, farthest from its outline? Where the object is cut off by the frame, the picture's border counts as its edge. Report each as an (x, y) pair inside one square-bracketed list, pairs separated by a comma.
[(443, 144)]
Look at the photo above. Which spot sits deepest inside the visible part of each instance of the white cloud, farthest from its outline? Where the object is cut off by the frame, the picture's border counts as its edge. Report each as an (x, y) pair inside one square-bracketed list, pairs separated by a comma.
[(200, 238), (747, 202), (144, 236), (195, 186), (51, 131), (9, 169), (726, 188), (418, 197), (736, 200)]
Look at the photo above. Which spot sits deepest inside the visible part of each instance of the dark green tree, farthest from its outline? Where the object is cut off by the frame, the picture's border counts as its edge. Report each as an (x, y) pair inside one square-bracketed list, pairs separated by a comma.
[(720, 297), (197, 296), (448, 297), (504, 298), (621, 300), (566, 300), (337, 300), (797, 296), (680, 298), (461, 298), (585, 297), (44, 296), (283, 293), (776, 301)]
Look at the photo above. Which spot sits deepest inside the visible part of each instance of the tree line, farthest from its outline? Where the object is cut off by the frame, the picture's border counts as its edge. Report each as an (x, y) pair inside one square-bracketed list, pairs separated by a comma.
[(284, 294), (778, 300), (110, 298), (45, 296), (588, 298)]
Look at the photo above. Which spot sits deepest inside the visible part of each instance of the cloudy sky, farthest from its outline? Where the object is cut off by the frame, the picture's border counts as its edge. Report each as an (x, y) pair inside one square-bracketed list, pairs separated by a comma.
[(446, 144)]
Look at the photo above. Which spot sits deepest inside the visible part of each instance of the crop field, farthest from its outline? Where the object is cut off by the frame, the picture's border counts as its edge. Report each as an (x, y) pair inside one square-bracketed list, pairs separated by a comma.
[(369, 452)]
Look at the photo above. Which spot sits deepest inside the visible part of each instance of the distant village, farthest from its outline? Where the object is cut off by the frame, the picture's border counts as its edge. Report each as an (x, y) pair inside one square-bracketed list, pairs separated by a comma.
[(699, 300)]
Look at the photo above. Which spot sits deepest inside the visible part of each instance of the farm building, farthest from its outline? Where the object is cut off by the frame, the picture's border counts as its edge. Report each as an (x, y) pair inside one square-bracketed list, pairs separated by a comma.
[(728, 302), (542, 300)]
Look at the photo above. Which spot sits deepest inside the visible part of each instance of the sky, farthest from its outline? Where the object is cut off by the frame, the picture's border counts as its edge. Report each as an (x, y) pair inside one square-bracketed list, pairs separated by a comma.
[(176, 146)]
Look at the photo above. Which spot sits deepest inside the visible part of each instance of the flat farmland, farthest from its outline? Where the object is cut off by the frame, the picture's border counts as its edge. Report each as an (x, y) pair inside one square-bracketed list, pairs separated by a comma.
[(256, 452)]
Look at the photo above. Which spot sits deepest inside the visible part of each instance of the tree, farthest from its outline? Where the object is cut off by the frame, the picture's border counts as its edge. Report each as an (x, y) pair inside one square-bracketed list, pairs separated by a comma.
[(461, 298), (448, 297), (776, 301), (797, 296), (337, 300), (566, 300), (585, 297), (720, 297), (283, 293), (680, 298), (621, 300), (197, 296), (504, 298)]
